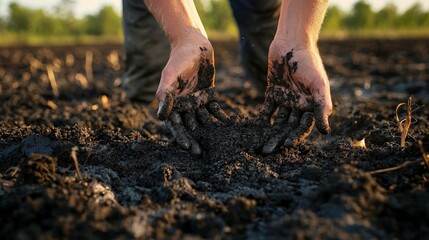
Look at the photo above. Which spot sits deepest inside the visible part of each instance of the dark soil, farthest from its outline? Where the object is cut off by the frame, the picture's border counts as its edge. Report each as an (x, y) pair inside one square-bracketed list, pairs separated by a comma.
[(137, 184)]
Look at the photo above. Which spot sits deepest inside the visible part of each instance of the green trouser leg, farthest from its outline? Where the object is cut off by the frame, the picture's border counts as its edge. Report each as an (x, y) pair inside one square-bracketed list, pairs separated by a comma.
[(146, 51)]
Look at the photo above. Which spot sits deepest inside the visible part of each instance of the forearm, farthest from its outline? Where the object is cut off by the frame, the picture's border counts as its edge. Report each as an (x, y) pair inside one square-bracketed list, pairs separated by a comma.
[(179, 19), (300, 21)]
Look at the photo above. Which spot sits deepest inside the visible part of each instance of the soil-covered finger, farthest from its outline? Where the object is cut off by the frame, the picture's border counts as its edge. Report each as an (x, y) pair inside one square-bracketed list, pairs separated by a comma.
[(321, 115), (175, 125), (165, 107), (276, 140), (267, 110), (215, 109), (304, 129), (195, 149), (282, 116), (204, 117), (189, 118)]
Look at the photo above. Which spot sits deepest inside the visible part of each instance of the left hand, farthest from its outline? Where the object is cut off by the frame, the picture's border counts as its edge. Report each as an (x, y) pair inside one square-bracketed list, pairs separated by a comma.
[(298, 87), (186, 92)]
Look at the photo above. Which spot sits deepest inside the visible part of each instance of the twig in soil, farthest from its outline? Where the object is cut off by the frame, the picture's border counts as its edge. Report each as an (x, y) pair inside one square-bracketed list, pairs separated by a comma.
[(52, 80), (89, 58), (424, 154), (401, 166), (404, 127), (73, 155)]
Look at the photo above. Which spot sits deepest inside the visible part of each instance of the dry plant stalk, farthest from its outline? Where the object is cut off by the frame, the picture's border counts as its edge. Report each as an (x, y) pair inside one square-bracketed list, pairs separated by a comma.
[(404, 127), (69, 60), (52, 105), (113, 59), (82, 80), (424, 154), (105, 102), (89, 58), (52, 80), (401, 166), (407, 163), (73, 155)]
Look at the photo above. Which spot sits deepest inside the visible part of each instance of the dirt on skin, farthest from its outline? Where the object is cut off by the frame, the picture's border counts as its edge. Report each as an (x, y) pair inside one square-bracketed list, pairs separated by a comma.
[(137, 184)]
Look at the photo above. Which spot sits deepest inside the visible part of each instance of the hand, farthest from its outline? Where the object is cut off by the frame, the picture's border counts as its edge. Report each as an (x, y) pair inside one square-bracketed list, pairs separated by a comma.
[(298, 86), (186, 92)]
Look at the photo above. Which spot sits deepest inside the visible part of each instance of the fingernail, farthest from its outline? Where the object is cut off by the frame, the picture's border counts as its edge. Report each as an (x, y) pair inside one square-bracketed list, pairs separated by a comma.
[(161, 103), (268, 148), (288, 143), (196, 150)]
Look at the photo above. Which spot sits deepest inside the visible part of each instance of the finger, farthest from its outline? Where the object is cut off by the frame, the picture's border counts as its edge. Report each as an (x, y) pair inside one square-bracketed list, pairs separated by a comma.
[(218, 112), (165, 107), (267, 110), (282, 116), (175, 125), (190, 119), (321, 113), (294, 119), (304, 129), (196, 149), (275, 141), (204, 116)]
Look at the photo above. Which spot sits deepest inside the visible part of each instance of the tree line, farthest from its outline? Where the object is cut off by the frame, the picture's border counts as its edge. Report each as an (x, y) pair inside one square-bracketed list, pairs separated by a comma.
[(363, 17), (216, 16), (61, 21)]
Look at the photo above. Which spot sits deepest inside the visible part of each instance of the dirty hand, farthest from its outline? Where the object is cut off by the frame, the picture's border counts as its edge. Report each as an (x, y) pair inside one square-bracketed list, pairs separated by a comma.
[(298, 87), (186, 92)]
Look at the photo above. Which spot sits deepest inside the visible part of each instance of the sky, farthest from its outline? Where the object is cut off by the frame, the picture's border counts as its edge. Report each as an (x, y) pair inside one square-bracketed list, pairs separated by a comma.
[(84, 7)]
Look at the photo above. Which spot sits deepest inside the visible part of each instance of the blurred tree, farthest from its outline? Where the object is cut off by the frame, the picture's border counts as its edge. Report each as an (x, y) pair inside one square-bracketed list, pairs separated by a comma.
[(19, 18), (63, 12), (411, 17), (387, 17), (218, 17), (110, 21), (2, 25), (106, 22), (64, 9), (333, 19), (425, 20), (361, 17)]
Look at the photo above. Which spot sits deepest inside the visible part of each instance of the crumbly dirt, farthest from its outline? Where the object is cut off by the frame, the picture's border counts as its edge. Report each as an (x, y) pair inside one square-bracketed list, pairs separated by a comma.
[(137, 184)]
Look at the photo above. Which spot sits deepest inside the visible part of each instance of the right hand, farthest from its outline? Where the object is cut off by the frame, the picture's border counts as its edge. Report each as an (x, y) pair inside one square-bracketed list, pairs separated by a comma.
[(298, 87), (186, 92)]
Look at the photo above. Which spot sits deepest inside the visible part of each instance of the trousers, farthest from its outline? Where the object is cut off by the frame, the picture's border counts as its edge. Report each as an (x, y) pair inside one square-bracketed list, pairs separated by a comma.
[(147, 49)]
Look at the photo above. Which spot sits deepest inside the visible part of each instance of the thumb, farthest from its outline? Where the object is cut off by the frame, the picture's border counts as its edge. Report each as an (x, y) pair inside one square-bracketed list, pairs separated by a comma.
[(321, 114), (164, 93), (165, 105)]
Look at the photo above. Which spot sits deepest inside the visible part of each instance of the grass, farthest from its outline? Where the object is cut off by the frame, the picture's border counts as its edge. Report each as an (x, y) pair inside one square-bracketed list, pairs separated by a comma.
[(375, 33), (23, 39), (9, 39)]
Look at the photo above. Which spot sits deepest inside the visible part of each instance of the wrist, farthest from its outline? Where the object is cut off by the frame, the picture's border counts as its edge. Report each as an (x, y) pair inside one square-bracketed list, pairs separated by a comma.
[(188, 35), (294, 42)]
